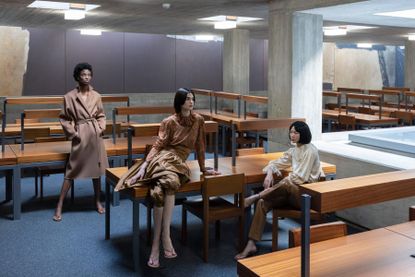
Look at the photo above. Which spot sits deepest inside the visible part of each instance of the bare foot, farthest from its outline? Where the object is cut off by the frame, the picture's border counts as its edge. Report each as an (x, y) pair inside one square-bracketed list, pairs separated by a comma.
[(58, 215), (249, 250), (100, 208), (168, 248), (153, 260), (251, 200)]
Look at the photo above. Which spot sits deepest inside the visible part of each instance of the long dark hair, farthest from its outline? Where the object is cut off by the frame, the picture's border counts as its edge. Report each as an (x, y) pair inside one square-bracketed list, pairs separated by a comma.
[(180, 98), (302, 128)]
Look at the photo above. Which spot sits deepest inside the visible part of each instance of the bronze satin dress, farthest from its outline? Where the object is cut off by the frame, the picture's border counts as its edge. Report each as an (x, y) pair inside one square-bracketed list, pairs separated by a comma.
[(167, 168)]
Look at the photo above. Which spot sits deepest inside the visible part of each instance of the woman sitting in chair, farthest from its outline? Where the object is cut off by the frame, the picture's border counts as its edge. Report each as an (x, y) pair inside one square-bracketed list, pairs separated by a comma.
[(305, 163), (165, 169)]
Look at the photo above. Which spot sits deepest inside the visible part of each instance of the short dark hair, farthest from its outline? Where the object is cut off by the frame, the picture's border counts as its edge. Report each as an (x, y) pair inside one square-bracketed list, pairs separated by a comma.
[(180, 98), (302, 128), (78, 68)]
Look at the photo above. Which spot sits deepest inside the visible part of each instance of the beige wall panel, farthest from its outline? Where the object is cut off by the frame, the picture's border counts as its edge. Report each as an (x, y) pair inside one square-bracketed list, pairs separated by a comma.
[(14, 48), (329, 50), (357, 68)]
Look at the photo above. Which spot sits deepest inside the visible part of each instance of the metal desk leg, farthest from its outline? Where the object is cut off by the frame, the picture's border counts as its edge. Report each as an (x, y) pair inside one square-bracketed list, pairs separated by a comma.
[(17, 205), (9, 187), (305, 235), (107, 209), (136, 234), (115, 194), (223, 140)]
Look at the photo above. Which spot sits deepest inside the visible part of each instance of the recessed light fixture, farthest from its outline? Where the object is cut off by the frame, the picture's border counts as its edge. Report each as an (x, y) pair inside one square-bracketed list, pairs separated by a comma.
[(364, 45), (411, 36), (91, 32), (204, 37), (403, 13), (228, 21), (335, 31), (73, 14), (223, 25), (61, 5)]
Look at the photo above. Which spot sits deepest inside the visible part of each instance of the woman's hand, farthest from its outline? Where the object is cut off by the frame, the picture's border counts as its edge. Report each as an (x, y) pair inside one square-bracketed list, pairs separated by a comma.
[(210, 171), (140, 174)]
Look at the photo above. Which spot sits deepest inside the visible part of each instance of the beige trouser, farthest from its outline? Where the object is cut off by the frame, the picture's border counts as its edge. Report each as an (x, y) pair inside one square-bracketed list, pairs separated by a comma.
[(280, 195)]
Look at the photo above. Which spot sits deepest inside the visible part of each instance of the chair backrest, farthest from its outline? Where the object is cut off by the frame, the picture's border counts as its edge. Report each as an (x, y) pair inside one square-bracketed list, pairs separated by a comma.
[(223, 185), (31, 133), (404, 117), (250, 151), (49, 139), (365, 110), (347, 121), (319, 232)]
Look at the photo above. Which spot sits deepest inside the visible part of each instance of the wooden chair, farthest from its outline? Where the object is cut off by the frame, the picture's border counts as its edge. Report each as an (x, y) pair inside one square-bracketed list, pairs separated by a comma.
[(331, 106), (212, 208), (405, 118), (411, 213), (318, 232), (365, 110), (42, 171), (288, 213), (346, 122)]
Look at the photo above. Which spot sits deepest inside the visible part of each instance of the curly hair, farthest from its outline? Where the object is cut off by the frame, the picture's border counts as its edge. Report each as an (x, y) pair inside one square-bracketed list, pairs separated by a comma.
[(78, 68)]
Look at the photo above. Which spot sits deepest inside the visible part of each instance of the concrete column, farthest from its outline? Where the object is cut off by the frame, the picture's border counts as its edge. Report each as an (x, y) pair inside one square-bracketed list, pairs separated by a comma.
[(236, 61), (295, 71), (410, 64)]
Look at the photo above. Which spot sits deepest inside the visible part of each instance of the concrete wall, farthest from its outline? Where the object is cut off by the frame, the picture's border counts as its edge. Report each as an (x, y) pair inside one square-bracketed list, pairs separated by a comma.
[(369, 216), (14, 47)]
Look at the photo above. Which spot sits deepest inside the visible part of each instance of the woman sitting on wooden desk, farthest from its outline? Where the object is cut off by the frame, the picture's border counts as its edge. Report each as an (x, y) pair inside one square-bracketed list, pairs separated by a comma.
[(306, 168), (165, 169)]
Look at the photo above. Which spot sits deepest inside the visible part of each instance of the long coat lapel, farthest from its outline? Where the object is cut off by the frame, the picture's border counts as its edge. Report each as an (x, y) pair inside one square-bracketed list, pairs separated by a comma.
[(83, 103)]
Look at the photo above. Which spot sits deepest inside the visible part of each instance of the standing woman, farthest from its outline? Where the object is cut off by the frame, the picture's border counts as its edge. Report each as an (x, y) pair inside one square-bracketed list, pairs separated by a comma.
[(83, 122), (165, 169)]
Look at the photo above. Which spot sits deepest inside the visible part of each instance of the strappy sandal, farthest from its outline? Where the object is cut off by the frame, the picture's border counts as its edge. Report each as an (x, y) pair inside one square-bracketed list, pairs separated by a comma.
[(57, 218), (170, 254), (152, 263)]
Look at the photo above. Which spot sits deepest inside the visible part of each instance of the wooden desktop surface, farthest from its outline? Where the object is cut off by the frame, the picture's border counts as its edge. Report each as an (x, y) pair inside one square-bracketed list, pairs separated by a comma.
[(379, 252), (251, 166), (406, 229), (223, 117), (361, 118), (7, 157), (360, 190)]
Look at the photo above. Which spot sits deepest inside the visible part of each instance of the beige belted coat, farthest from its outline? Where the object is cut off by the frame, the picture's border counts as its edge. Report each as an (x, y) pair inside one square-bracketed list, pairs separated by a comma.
[(83, 122)]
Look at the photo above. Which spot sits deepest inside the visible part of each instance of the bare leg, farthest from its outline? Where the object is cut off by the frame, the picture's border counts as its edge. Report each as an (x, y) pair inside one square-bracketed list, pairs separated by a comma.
[(153, 261), (251, 199), (249, 249), (97, 191), (67, 184), (167, 215)]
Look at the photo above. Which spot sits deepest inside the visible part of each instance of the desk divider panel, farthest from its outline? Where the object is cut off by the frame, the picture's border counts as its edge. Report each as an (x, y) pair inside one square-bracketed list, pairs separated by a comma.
[(258, 125)]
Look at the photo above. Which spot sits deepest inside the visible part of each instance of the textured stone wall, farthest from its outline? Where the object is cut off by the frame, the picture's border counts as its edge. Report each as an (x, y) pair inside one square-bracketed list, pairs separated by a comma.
[(14, 48)]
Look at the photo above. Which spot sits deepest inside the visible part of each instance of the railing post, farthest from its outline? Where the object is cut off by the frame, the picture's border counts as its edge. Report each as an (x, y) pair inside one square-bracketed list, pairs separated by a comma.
[(130, 147), (114, 117), (305, 235), (233, 150)]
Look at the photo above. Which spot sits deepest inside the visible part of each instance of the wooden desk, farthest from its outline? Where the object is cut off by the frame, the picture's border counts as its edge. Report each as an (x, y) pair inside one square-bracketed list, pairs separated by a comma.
[(251, 166), (361, 119), (406, 229), (43, 154), (380, 252), (8, 163)]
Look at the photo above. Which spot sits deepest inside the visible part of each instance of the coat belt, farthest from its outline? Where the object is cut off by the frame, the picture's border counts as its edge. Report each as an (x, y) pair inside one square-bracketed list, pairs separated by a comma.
[(83, 121)]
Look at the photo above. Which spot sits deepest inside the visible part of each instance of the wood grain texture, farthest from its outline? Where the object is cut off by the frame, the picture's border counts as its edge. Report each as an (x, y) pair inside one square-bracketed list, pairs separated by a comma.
[(351, 192), (374, 253)]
